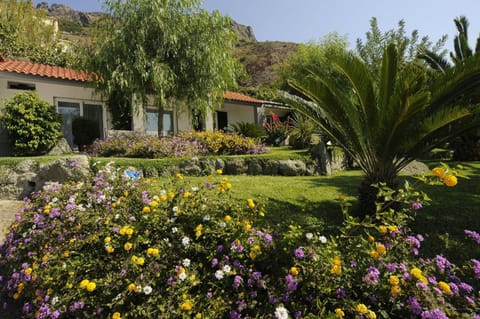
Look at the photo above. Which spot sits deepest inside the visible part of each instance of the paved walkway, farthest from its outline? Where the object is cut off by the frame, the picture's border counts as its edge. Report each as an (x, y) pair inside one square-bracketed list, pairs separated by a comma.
[(8, 208)]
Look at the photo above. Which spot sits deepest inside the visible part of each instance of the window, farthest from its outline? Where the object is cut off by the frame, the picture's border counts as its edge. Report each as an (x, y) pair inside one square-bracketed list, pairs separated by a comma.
[(21, 86), (70, 109), (152, 122), (222, 120)]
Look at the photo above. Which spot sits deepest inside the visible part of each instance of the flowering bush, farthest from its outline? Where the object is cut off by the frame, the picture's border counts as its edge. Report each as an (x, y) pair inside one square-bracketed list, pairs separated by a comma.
[(277, 130), (108, 248), (186, 144)]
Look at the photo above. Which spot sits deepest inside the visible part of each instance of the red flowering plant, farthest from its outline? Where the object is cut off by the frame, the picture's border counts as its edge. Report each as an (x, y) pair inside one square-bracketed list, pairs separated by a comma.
[(277, 130)]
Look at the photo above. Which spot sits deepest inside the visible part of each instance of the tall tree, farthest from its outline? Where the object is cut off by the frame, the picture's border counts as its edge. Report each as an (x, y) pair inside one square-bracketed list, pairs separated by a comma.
[(28, 33), (168, 49), (466, 146), (408, 46), (390, 117)]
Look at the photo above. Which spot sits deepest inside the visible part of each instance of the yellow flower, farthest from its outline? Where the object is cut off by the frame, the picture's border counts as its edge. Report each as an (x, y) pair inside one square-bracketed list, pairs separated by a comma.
[(16, 295), (187, 194), (383, 229), (107, 240), (257, 248), (129, 231), (91, 286), (127, 246), (339, 313), (163, 198), (146, 210), (125, 193), (153, 252), (186, 306), (179, 176), (439, 172), (361, 309), (380, 248), (450, 180), (423, 280), (66, 253), (109, 249), (294, 271), (392, 228), (219, 171), (114, 205), (396, 290), (250, 203), (140, 261), (153, 203), (132, 288), (198, 230), (417, 273), (336, 269), (116, 315), (198, 316), (370, 238), (20, 287), (84, 283), (228, 185), (337, 261), (252, 255), (444, 287), (227, 218), (370, 315), (394, 280), (28, 271)]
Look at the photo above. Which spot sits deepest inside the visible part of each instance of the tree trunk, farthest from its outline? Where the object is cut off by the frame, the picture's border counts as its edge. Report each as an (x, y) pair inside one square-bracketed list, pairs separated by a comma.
[(161, 109), (368, 198)]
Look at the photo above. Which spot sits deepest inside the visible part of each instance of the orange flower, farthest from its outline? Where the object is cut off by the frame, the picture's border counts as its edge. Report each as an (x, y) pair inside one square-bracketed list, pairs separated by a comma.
[(439, 172), (450, 180)]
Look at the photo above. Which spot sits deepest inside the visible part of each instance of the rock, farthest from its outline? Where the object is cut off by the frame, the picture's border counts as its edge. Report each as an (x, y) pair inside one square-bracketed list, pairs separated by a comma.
[(255, 167), (415, 168), (70, 168), (191, 167), (291, 167), (271, 167), (62, 147), (236, 166)]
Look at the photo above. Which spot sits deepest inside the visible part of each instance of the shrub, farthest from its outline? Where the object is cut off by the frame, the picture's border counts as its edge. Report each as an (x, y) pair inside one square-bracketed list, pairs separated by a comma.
[(33, 126), (185, 144), (108, 248), (85, 131), (247, 129), (277, 130), (301, 131)]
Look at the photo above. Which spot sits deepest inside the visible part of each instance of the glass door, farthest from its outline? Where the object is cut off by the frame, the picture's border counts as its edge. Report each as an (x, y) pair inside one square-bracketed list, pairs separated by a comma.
[(68, 111)]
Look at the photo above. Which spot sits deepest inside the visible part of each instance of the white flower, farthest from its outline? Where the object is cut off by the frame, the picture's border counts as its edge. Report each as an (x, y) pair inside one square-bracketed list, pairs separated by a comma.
[(281, 313), (147, 290), (322, 239), (182, 276), (227, 269), (195, 189), (206, 218), (186, 262), (175, 209), (309, 236), (54, 300), (219, 274), (174, 230), (117, 216), (166, 240), (185, 241), (222, 224), (163, 192), (203, 207)]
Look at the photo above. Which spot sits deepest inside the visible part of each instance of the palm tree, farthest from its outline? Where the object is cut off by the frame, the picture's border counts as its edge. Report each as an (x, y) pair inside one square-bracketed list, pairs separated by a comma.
[(386, 120), (467, 145)]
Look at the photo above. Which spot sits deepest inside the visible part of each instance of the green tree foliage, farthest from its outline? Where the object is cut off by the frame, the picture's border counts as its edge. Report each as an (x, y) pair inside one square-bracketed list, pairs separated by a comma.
[(389, 118), (170, 50), (371, 51), (466, 146), (33, 125), (26, 32)]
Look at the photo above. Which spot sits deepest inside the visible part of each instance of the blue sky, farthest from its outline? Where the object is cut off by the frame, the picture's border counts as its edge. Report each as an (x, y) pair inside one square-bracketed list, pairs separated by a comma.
[(304, 20)]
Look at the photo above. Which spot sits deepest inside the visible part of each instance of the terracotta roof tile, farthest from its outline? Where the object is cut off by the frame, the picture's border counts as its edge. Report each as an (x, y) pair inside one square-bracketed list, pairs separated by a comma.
[(48, 71), (239, 97)]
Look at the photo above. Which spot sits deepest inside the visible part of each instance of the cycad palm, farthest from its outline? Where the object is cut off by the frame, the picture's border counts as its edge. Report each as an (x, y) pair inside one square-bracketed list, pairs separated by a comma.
[(386, 120)]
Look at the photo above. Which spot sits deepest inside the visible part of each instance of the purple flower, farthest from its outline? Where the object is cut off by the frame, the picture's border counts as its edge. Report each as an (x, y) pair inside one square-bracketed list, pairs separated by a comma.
[(234, 314), (268, 238), (371, 277), (299, 253), (476, 268), (442, 263), (434, 314), (237, 281), (340, 293), (214, 262), (416, 205), (415, 307), (474, 235), (74, 164), (291, 282)]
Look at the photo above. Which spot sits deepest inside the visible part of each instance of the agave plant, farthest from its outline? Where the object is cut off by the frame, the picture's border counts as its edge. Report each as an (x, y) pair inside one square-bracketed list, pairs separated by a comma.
[(386, 120), (247, 129)]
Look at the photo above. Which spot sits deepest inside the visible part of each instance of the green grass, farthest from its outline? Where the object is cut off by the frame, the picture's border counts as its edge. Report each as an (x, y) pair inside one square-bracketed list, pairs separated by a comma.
[(311, 201)]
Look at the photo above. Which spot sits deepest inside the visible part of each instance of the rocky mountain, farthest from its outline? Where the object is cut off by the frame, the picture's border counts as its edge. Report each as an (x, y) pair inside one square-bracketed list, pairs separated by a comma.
[(260, 59)]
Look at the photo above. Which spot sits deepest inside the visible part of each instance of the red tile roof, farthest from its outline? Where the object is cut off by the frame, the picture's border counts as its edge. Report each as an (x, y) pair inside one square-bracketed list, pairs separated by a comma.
[(48, 71), (239, 97)]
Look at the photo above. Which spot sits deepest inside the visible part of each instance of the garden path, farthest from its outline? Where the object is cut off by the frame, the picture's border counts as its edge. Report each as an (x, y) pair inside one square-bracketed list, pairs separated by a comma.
[(8, 208)]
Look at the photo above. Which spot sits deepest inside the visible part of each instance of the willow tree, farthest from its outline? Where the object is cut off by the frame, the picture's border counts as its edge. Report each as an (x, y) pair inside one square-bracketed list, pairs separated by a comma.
[(170, 50)]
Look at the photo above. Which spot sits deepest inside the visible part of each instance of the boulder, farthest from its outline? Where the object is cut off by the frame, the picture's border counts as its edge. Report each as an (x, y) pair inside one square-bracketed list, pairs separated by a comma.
[(292, 167), (62, 147), (236, 166)]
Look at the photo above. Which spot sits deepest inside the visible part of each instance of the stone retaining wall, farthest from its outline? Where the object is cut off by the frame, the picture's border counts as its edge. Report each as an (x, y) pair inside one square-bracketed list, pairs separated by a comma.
[(27, 176)]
